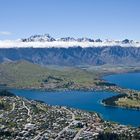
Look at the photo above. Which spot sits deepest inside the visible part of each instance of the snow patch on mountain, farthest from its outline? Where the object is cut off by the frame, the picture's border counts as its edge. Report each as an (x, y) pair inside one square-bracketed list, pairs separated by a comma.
[(46, 41)]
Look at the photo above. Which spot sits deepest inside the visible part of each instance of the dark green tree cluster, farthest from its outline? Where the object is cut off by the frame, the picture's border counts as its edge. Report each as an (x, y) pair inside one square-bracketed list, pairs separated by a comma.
[(114, 136), (6, 93), (1, 105)]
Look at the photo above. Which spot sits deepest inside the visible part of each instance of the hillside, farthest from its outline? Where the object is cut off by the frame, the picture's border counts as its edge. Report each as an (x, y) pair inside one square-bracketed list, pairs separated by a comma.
[(23, 74)]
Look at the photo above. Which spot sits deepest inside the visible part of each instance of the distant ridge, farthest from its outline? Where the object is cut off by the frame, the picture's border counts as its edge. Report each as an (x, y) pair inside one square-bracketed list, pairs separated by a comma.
[(73, 56)]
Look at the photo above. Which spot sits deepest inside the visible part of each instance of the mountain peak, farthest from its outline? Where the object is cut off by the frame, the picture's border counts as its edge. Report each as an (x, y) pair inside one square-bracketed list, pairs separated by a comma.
[(48, 38), (47, 41), (39, 38)]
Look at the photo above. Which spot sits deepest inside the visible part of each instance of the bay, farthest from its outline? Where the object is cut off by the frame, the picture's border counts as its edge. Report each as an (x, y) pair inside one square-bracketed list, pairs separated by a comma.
[(89, 101), (125, 80)]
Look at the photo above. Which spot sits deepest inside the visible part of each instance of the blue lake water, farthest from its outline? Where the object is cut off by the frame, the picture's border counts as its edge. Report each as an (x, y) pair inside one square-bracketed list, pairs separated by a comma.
[(126, 80), (89, 101)]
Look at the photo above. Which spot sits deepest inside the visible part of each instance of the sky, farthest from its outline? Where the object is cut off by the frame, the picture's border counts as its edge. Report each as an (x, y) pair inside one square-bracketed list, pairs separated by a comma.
[(105, 19)]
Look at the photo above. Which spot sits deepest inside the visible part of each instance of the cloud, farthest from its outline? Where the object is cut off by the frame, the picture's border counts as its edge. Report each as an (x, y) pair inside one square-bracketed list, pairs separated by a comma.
[(5, 33), (60, 44)]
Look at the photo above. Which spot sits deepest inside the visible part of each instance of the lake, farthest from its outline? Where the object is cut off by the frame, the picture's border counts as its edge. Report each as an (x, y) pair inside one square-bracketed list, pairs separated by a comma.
[(89, 101), (126, 80)]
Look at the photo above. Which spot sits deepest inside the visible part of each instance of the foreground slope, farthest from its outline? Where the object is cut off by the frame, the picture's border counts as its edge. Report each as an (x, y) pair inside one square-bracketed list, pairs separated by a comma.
[(24, 119)]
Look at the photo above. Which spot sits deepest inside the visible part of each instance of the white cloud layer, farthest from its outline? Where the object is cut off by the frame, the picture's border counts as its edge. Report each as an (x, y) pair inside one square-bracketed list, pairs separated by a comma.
[(60, 44), (5, 33)]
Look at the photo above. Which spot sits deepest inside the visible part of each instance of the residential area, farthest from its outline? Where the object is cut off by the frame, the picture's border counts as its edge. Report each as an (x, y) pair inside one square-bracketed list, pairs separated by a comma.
[(23, 119)]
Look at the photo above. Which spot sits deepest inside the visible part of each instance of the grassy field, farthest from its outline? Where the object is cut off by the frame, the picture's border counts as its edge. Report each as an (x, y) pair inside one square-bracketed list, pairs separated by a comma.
[(130, 103), (23, 74), (124, 100)]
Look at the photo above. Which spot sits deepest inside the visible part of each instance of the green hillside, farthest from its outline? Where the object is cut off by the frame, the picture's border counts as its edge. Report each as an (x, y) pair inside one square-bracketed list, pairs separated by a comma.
[(23, 74)]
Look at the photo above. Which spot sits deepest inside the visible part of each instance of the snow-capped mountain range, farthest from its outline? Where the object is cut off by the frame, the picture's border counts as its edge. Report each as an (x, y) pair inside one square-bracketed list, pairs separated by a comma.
[(46, 50), (46, 41)]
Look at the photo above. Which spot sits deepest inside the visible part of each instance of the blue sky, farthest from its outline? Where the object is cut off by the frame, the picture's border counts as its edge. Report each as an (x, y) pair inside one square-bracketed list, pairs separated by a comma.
[(113, 19)]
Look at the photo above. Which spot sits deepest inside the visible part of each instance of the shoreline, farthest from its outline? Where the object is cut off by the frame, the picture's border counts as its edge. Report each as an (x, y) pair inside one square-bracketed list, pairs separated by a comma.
[(94, 89), (117, 106), (73, 118), (101, 102), (100, 77), (90, 111)]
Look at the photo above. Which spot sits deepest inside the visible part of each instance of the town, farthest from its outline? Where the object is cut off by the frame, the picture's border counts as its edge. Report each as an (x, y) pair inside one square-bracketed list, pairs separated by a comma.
[(23, 119)]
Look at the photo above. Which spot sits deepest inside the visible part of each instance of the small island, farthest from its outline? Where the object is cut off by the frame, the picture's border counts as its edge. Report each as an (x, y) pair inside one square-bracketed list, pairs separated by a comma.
[(124, 100)]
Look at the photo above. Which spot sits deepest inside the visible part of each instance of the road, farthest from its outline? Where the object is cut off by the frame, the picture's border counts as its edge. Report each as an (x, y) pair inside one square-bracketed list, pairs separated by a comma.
[(13, 108), (29, 113), (39, 135), (65, 129), (78, 134)]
